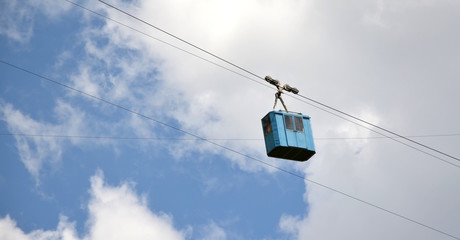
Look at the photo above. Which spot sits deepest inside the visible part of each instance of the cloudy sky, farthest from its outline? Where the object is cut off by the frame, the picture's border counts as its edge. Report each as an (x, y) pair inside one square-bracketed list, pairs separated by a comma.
[(74, 167)]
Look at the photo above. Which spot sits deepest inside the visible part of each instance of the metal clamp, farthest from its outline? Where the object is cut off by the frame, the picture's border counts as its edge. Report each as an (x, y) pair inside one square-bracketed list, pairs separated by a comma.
[(280, 88)]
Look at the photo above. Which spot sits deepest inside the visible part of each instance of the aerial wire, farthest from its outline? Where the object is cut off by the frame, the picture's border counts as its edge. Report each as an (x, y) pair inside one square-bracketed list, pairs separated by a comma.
[(240, 139), (378, 127), (249, 78), (247, 156), (304, 97), (324, 105), (48, 135), (165, 42), (256, 81), (182, 40), (226, 148)]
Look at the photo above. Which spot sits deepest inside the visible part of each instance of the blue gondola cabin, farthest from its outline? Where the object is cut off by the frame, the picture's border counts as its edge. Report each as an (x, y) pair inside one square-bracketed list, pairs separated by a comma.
[(288, 135)]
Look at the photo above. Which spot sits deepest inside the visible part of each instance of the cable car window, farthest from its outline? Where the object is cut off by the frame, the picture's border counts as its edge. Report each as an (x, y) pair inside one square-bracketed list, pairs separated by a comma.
[(267, 126), (288, 122), (298, 124)]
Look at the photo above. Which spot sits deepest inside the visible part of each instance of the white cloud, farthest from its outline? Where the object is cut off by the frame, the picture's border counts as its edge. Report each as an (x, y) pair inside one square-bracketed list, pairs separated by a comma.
[(212, 231), (38, 151), (85, 81), (118, 213), (404, 73), (398, 73), (17, 17), (9, 231), (379, 172), (167, 84), (64, 231), (114, 213), (16, 22), (290, 224), (51, 9), (375, 18)]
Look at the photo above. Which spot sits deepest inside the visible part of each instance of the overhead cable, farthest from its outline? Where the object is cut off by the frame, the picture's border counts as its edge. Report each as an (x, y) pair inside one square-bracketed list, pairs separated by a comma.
[(380, 128), (48, 135), (227, 148), (165, 42), (260, 77), (182, 40), (257, 81)]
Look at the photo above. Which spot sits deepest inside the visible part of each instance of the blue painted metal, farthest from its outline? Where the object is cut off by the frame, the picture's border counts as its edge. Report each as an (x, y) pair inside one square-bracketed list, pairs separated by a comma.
[(288, 135)]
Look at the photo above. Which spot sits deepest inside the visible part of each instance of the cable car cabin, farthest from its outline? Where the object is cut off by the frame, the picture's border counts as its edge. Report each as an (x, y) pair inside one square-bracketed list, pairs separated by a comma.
[(288, 135)]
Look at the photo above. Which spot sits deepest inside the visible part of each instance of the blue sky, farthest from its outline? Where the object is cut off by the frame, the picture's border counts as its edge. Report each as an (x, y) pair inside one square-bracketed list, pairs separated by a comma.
[(73, 167)]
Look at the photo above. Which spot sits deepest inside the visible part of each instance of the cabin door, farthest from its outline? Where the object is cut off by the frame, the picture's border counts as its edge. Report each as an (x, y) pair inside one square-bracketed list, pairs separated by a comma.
[(290, 133)]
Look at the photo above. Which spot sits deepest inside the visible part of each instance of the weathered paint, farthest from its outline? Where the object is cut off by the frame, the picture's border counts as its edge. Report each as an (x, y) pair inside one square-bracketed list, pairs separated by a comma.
[(288, 142)]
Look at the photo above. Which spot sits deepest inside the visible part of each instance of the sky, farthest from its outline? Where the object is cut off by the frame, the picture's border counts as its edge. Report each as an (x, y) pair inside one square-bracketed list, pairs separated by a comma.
[(75, 167)]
